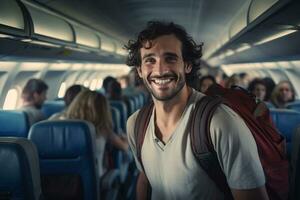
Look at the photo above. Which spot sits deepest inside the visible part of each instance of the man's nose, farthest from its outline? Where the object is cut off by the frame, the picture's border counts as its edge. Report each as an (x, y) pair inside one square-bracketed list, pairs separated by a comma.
[(160, 66)]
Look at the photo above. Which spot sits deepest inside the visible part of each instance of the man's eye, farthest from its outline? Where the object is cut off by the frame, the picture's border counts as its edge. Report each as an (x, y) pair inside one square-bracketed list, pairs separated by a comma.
[(149, 60), (171, 59)]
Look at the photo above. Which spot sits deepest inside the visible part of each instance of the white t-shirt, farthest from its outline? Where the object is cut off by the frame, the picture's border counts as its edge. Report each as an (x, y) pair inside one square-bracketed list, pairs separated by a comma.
[(172, 169)]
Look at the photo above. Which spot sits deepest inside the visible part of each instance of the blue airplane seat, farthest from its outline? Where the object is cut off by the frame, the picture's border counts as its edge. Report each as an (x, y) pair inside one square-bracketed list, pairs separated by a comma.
[(19, 171), (141, 99), (115, 114), (67, 158), (294, 173), (132, 106), (269, 104), (286, 122), (294, 106), (51, 107), (137, 101), (121, 106), (13, 123)]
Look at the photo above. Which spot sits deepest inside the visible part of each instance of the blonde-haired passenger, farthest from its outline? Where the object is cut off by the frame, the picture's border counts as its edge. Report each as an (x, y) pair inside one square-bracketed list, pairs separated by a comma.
[(282, 94), (93, 107)]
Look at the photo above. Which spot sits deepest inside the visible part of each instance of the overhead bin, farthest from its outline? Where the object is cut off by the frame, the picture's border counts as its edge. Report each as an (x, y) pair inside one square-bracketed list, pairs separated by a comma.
[(86, 37), (107, 44), (11, 14), (239, 22), (49, 24), (258, 7), (121, 51)]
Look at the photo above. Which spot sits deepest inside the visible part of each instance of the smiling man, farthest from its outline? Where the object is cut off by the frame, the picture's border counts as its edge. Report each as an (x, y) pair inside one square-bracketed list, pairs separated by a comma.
[(165, 58)]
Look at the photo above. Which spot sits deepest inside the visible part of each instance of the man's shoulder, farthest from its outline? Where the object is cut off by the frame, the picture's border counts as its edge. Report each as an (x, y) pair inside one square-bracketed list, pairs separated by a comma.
[(131, 122)]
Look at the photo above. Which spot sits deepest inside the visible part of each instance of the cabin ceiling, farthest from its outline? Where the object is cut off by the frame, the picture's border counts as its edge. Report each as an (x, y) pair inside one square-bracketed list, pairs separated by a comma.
[(233, 31), (204, 19)]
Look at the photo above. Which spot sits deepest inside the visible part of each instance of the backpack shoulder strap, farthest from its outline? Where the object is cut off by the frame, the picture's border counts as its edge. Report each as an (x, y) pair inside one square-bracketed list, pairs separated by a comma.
[(201, 143), (140, 128)]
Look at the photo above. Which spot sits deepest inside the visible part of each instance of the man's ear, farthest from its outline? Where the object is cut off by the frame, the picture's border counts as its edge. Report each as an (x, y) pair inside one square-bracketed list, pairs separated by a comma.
[(139, 70), (187, 68)]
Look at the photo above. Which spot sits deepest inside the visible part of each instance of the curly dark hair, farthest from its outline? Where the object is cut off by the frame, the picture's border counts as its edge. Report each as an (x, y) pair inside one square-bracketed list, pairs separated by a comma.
[(191, 52)]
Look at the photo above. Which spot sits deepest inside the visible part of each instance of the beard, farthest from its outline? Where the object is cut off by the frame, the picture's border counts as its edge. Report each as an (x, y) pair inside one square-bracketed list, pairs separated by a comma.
[(172, 92)]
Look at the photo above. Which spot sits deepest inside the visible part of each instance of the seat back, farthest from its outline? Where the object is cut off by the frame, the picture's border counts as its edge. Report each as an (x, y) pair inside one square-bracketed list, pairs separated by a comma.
[(19, 171), (13, 123), (51, 107), (286, 122), (116, 119), (121, 106), (295, 166), (294, 106), (67, 148)]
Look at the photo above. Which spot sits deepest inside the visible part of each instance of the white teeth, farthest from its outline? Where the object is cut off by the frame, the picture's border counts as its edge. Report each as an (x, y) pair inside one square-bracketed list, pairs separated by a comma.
[(162, 81)]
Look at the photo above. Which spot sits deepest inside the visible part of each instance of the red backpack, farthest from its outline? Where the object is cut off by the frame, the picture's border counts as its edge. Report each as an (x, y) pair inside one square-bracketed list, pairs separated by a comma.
[(270, 144)]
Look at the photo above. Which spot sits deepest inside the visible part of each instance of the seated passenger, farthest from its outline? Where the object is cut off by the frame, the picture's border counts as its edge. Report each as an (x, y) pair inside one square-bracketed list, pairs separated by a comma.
[(282, 94), (244, 79), (232, 80), (34, 94), (270, 84), (107, 80), (70, 94), (205, 82), (93, 107), (258, 88)]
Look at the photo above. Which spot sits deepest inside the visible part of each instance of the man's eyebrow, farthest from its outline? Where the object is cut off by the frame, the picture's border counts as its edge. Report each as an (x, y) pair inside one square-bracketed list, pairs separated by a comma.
[(171, 54), (147, 55)]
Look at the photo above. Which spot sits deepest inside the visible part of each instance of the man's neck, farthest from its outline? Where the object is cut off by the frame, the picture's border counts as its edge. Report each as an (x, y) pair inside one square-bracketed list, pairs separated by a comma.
[(168, 113)]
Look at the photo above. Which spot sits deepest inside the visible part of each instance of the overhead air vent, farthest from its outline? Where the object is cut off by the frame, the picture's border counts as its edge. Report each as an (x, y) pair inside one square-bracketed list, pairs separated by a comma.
[(258, 7), (48, 24), (86, 37)]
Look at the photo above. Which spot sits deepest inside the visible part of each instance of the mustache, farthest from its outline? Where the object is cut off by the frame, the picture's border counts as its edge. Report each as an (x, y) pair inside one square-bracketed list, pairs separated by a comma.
[(164, 75)]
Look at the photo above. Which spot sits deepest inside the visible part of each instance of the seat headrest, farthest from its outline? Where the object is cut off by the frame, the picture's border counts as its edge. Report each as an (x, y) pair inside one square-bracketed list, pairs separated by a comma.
[(51, 107), (62, 138), (13, 123), (286, 121), (19, 168)]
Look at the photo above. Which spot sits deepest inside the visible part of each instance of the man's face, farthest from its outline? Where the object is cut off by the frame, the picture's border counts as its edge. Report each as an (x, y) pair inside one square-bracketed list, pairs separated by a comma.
[(39, 99), (285, 93), (163, 69)]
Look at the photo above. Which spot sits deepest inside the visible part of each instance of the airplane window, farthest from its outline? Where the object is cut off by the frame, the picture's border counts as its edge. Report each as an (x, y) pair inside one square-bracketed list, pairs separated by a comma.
[(86, 84), (99, 83), (11, 99), (93, 84), (62, 90)]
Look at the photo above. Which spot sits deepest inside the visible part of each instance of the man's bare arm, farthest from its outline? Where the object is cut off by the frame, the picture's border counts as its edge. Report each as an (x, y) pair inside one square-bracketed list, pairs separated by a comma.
[(256, 193)]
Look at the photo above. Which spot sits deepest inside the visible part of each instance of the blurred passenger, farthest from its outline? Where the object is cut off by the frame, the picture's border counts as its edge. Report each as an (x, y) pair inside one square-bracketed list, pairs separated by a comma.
[(34, 94), (270, 84), (244, 79), (205, 82), (282, 94), (70, 94), (114, 91), (93, 107), (258, 88), (233, 80), (106, 82)]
